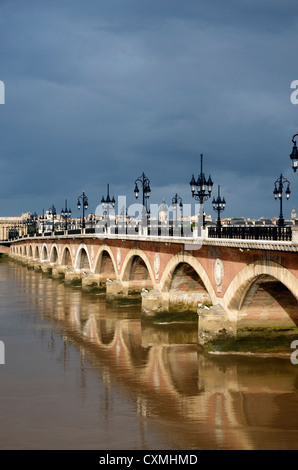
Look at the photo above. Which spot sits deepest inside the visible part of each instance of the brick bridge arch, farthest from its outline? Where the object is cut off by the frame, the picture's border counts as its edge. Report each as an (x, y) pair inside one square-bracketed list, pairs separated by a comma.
[(54, 256), (82, 259), (66, 258), (36, 252), (44, 252), (104, 263), (131, 257), (186, 258)]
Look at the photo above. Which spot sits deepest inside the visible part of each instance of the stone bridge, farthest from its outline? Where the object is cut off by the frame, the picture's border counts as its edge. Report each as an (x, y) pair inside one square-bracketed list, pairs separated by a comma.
[(234, 285)]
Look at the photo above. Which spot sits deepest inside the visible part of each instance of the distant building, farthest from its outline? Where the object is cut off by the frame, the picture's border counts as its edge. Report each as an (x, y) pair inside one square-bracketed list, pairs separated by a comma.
[(163, 212), (14, 226)]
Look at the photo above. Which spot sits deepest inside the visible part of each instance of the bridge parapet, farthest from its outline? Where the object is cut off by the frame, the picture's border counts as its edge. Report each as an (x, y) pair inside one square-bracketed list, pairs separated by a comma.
[(190, 243)]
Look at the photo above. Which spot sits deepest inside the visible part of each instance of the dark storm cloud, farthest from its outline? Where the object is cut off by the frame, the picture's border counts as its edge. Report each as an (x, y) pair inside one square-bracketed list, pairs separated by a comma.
[(100, 91)]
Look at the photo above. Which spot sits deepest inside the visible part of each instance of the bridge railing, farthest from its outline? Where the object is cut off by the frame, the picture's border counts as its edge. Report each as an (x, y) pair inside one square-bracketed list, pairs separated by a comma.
[(269, 233), (252, 233)]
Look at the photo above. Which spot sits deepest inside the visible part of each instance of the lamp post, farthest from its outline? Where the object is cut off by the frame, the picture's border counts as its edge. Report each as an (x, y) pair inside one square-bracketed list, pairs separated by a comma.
[(294, 154), (66, 214), (84, 200), (177, 200), (219, 205), (278, 194), (108, 203), (52, 212), (201, 189), (145, 184)]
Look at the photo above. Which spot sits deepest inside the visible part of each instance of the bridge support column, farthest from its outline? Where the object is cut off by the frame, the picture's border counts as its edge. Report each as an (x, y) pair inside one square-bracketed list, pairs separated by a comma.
[(116, 290), (91, 281), (73, 277), (58, 272), (214, 323), (46, 268), (154, 302), (37, 266)]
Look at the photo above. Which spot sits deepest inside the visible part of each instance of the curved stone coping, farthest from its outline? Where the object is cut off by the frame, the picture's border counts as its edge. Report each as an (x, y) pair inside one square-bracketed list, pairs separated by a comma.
[(225, 242), (253, 244)]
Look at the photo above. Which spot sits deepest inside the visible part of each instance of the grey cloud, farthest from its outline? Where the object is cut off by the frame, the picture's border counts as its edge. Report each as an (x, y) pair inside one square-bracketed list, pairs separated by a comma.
[(101, 91)]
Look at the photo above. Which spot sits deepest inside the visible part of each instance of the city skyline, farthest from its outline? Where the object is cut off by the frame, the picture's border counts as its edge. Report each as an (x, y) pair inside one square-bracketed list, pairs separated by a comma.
[(99, 93)]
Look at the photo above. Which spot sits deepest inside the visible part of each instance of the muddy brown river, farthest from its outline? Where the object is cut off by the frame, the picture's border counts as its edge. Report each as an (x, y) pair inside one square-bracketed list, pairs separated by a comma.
[(83, 374)]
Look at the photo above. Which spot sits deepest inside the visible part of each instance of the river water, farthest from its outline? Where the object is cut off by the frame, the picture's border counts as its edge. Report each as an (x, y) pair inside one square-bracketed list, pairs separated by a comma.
[(82, 374)]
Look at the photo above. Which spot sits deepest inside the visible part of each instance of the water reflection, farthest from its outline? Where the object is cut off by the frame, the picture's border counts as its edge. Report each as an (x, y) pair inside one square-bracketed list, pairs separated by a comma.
[(198, 401)]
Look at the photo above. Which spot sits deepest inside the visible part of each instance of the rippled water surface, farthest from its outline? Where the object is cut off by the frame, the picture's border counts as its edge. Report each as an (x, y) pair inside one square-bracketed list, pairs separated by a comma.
[(81, 374)]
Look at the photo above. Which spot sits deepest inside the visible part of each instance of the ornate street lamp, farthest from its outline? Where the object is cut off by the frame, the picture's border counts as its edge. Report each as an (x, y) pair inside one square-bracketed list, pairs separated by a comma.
[(66, 214), (219, 205), (201, 189), (294, 154), (108, 203), (53, 213), (145, 184), (177, 200), (278, 194), (83, 200)]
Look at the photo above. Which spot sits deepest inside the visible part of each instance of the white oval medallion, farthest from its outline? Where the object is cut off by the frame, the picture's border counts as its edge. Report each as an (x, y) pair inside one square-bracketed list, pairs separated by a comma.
[(218, 274), (156, 264), (118, 258)]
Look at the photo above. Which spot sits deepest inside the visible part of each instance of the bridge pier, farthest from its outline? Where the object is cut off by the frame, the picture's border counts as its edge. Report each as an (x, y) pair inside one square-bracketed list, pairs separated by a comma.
[(91, 280), (72, 277), (37, 266), (154, 303), (116, 290), (46, 267), (214, 323), (119, 290), (58, 272)]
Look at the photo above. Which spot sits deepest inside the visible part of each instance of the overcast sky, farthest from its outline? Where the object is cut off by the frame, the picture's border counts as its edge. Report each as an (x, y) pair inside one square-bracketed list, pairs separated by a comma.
[(100, 91)]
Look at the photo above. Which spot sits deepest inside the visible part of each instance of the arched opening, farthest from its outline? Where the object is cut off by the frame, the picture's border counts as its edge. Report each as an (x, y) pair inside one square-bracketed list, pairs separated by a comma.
[(36, 253), (267, 303), (54, 255), (105, 266), (83, 261), (25, 251), (44, 253), (20, 250), (186, 289), (30, 252), (136, 276), (137, 271), (66, 258)]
